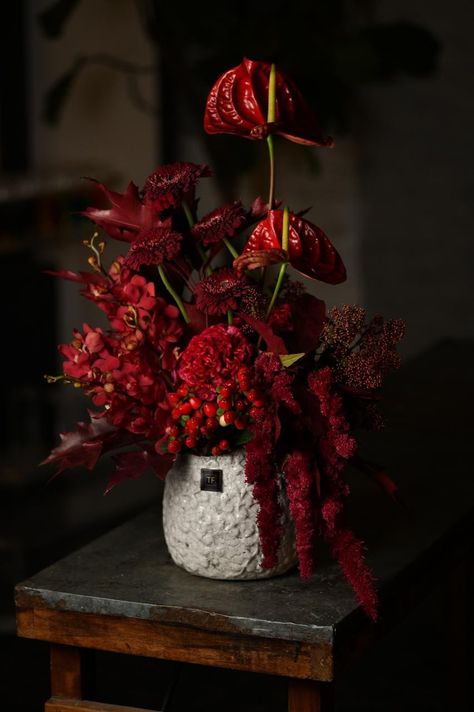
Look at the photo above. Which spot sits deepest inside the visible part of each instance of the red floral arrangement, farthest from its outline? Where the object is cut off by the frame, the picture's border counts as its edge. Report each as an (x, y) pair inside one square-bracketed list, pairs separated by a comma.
[(206, 358)]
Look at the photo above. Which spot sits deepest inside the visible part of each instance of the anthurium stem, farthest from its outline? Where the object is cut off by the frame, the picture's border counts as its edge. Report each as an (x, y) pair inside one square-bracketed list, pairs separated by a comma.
[(281, 274), (271, 115), (170, 289), (271, 153)]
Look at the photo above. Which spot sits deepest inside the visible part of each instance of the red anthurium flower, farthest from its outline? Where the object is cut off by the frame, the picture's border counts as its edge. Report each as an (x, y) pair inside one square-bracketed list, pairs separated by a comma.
[(309, 250), (238, 104)]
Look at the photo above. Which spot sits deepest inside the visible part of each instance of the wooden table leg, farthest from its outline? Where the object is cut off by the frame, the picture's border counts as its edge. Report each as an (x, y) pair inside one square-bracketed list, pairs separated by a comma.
[(310, 696), (66, 672)]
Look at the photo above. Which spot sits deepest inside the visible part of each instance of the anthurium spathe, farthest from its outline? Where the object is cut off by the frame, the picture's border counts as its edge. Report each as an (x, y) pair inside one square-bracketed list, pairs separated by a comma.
[(238, 104), (310, 251)]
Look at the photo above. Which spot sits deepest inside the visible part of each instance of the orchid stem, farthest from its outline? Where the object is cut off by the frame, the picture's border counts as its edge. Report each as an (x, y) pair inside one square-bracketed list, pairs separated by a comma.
[(170, 289), (284, 244), (231, 248)]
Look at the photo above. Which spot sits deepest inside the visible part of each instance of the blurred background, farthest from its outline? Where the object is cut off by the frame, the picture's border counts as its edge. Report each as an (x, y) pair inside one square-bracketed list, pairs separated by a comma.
[(113, 88)]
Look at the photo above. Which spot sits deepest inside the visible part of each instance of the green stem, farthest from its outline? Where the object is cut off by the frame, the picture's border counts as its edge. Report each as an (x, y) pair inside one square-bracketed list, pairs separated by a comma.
[(271, 154), (231, 248), (281, 274), (271, 115), (170, 289), (230, 318), (190, 219), (188, 213)]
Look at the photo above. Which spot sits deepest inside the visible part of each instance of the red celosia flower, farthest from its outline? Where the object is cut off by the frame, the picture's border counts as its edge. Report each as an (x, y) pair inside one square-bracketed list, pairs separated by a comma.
[(213, 357), (309, 250), (169, 185), (222, 290), (220, 223), (238, 104), (153, 247)]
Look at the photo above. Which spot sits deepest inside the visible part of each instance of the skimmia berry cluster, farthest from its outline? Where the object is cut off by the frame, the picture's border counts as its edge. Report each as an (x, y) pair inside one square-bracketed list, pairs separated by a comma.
[(204, 356)]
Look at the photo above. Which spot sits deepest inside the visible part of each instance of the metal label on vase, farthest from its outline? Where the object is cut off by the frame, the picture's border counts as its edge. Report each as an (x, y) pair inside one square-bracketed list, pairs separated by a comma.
[(211, 480)]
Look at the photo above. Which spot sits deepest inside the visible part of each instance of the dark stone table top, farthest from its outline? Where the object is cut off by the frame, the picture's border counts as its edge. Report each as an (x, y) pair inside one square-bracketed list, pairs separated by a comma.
[(427, 450)]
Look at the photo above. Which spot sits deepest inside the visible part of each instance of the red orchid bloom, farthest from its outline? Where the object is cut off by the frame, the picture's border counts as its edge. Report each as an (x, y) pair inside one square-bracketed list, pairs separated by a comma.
[(238, 104), (309, 250)]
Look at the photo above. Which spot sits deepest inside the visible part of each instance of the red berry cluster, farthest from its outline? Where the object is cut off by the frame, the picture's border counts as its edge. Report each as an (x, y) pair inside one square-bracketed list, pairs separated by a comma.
[(197, 424)]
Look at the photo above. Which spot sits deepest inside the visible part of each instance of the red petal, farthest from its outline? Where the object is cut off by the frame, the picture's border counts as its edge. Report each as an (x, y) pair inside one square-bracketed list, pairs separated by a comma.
[(238, 104), (310, 250), (127, 216)]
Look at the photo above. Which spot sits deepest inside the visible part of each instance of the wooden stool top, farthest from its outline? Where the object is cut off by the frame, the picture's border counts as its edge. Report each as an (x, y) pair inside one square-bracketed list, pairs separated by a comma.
[(122, 592)]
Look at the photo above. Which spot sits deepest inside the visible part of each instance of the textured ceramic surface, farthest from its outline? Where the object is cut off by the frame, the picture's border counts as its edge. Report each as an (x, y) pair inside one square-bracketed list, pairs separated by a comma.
[(215, 534)]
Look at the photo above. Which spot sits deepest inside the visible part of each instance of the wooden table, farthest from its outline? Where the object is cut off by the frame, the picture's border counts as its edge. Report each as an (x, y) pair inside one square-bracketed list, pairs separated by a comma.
[(122, 593)]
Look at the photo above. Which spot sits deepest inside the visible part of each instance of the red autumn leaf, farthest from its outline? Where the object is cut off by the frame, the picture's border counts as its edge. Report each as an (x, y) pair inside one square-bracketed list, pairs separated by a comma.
[(81, 277), (238, 104), (127, 216), (275, 343), (309, 250), (84, 445), (131, 465)]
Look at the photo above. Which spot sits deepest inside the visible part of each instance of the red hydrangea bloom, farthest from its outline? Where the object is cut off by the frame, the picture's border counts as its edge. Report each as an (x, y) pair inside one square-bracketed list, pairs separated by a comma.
[(153, 247), (220, 223), (213, 357), (223, 290), (238, 104), (169, 185), (309, 249)]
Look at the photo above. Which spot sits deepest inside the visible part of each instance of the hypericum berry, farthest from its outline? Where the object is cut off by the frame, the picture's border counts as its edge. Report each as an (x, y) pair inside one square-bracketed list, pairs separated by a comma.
[(211, 424), (245, 385), (173, 398), (183, 390), (225, 392), (240, 423), (253, 395), (192, 426), (176, 414), (224, 444), (229, 416), (172, 430), (240, 405), (215, 450), (198, 414), (243, 372), (195, 402), (224, 403), (174, 446), (210, 409), (255, 412), (190, 442), (185, 408)]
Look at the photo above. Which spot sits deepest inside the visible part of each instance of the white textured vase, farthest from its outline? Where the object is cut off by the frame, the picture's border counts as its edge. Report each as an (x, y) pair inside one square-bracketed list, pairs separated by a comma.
[(210, 520)]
